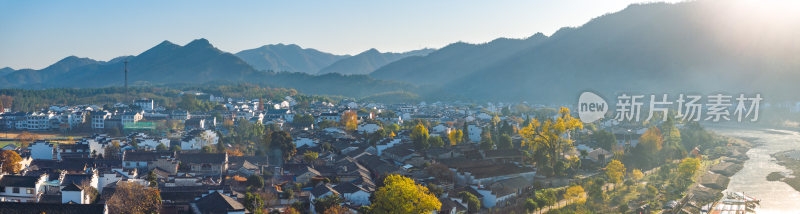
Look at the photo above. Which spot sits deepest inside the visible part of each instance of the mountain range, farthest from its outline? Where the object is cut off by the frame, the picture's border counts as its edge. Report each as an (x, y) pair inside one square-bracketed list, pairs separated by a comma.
[(689, 47), (293, 58)]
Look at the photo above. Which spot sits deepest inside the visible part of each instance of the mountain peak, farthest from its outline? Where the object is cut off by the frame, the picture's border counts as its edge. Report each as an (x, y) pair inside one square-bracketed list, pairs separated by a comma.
[(201, 42), (371, 51)]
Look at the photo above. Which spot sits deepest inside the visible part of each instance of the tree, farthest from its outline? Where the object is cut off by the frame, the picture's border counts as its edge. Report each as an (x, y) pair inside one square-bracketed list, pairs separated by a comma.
[(650, 143), (161, 147), (322, 204), (310, 156), (255, 181), (206, 149), (573, 193), (455, 137), (465, 134), (549, 136), (546, 197), (504, 142), (89, 190), (673, 149), (10, 161), (112, 151), (604, 139), (531, 205), (350, 120), (25, 138), (686, 170), (436, 141), (337, 209), (401, 195), (419, 135), (282, 141), (253, 202), (615, 170), (175, 148), (473, 204), (130, 197), (487, 142), (637, 174), (152, 178)]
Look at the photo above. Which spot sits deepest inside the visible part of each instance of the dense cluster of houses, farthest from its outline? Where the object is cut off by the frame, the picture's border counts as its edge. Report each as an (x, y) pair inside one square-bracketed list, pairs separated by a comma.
[(191, 181)]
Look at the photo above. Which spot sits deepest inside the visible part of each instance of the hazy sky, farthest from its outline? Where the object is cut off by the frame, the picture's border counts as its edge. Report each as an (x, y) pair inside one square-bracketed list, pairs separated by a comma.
[(35, 34)]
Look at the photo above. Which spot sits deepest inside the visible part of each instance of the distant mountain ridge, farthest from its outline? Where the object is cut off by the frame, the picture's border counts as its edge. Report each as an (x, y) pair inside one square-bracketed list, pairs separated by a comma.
[(292, 58), (368, 61), (195, 63)]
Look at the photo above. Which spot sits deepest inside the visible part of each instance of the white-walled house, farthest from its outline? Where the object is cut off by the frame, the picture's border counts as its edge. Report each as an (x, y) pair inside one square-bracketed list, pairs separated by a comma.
[(474, 133), (353, 193), (196, 139), (19, 188), (42, 150), (114, 175), (368, 128), (73, 193)]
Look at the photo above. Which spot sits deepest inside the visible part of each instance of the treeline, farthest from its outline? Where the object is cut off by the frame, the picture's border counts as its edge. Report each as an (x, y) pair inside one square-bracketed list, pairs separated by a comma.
[(166, 96)]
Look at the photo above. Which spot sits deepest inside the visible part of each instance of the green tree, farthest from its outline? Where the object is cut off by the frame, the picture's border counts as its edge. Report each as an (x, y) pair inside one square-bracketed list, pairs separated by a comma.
[(531, 205), (255, 181), (604, 139), (504, 142), (436, 141), (401, 195), (206, 149), (282, 141), (152, 178), (310, 156), (253, 202), (473, 204), (161, 147), (324, 203)]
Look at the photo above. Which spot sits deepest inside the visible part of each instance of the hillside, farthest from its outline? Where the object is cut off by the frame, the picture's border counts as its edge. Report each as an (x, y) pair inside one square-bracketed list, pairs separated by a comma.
[(291, 58)]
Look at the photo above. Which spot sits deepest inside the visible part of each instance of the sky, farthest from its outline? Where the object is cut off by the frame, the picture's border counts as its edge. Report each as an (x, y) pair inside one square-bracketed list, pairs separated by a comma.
[(35, 34)]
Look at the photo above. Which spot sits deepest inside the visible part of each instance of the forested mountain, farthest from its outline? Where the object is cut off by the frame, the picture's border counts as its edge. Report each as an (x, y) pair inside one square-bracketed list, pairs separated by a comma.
[(368, 61), (6, 70), (291, 58), (696, 46), (195, 63), (454, 61)]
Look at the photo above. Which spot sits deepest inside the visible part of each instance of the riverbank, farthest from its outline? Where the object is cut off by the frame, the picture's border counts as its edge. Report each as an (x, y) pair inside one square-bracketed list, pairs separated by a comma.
[(791, 160), (715, 174)]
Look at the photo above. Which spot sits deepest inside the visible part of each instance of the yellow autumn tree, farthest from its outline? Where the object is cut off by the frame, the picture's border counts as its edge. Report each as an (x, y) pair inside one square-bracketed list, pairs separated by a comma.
[(550, 136), (615, 170), (10, 161), (455, 137), (574, 193), (402, 195), (350, 120), (637, 174)]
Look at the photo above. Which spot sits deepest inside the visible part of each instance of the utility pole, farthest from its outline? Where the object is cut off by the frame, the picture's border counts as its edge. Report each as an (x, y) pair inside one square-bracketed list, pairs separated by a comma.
[(126, 81)]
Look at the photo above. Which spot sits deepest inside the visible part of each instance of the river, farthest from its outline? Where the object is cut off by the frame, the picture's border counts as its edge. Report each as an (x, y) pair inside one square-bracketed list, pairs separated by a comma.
[(775, 196)]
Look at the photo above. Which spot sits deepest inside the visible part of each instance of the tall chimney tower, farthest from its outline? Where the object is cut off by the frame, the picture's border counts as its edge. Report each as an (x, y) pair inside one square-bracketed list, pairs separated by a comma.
[(126, 81)]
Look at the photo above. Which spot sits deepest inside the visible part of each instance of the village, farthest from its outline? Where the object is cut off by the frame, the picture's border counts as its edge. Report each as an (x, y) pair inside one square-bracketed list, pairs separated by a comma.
[(245, 156)]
